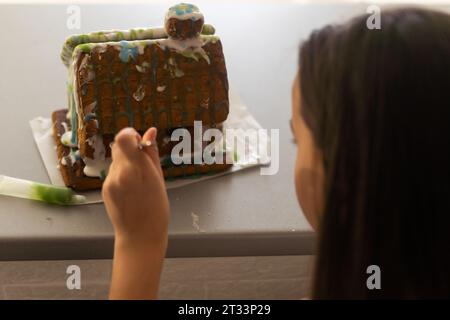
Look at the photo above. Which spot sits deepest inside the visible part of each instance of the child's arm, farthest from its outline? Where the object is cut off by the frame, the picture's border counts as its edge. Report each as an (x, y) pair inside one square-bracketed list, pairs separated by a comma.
[(136, 200)]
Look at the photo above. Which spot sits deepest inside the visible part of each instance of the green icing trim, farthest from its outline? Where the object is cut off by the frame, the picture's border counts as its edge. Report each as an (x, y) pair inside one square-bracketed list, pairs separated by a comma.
[(133, 34), (84, 38), (85, 48), (208, 29), (120, 36), (116, 35)]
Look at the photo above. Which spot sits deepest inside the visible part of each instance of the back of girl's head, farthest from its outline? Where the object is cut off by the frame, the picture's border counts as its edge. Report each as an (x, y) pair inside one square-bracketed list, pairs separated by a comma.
[(378, 105)]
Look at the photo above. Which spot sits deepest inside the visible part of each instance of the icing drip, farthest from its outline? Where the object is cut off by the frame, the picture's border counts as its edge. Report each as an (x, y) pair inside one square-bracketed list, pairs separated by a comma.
[(175, 72), (96, 168), (139, 94), (73, 156), (190, 48), (99, 165), (65, 126), (66, 138), (143, 68), (73, 103)]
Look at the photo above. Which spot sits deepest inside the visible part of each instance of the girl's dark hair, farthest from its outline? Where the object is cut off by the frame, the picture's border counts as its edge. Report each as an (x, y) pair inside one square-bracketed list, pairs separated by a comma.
[(378, 105)]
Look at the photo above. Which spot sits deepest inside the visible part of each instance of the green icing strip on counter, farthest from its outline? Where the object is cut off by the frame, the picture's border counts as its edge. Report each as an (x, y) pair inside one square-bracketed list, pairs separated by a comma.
[(53, 194)]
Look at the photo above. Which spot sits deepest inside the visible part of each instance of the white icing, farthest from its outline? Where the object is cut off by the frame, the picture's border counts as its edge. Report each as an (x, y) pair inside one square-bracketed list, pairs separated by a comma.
[(139, 94), (99, 165), (181, 45), (192, 16), (161, 88), (66, 128), (66, 138), (173, 68), (101, 49), (73, 103), (179, 73), (141, 50), (94, 168), (189, 47), (144, 66), (73, 155)]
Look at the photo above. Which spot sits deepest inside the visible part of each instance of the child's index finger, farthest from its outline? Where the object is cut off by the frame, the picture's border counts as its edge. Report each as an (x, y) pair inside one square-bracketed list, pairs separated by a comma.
[(126, 144), (126, 148)]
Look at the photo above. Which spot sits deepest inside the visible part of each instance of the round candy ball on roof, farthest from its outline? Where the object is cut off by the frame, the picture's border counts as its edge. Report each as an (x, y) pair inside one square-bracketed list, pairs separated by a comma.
[(184, 21)]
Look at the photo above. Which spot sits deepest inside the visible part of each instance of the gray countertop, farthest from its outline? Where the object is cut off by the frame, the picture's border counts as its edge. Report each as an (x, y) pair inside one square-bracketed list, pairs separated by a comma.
[(240, 214)]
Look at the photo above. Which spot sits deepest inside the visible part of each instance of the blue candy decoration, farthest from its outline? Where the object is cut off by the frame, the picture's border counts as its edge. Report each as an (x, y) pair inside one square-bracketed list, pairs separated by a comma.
[(127, 51), (183, 8)]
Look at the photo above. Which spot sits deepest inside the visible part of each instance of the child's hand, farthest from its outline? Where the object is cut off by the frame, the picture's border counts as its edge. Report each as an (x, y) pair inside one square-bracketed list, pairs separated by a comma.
[(136, 200), (134, 192)]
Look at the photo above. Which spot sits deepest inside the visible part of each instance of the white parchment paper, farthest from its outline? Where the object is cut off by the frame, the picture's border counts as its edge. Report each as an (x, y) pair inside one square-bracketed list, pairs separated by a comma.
[(238, 118)]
